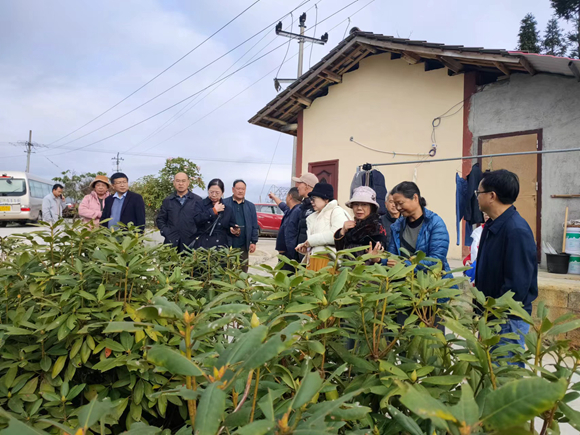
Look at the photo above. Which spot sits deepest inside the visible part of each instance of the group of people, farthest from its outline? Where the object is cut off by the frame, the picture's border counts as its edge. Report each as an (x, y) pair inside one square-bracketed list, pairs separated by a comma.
[(314, 223)]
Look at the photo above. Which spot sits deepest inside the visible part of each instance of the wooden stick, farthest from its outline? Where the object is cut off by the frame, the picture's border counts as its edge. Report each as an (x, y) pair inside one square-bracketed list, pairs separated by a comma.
[(565, 229), (564, 196)]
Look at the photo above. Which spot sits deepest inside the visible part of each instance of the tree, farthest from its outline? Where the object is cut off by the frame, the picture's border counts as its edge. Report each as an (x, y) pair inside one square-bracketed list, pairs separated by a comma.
[(155, 188), (529, 37), (76, 185), (570, 11), (555, 43)]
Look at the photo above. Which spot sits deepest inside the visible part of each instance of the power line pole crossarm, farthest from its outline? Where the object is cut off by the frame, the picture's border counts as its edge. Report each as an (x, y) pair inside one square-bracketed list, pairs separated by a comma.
[(301, 38)]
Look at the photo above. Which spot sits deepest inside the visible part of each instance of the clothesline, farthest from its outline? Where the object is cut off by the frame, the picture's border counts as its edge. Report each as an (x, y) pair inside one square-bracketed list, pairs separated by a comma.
[(395, 154), (449, 159)]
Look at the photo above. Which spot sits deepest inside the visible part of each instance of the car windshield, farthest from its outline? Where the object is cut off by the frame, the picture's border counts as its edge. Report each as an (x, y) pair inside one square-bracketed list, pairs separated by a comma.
[(12, 187)]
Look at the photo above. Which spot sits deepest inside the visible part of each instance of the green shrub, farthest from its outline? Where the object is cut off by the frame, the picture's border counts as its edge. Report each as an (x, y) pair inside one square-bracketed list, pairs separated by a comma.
[(104, 333)]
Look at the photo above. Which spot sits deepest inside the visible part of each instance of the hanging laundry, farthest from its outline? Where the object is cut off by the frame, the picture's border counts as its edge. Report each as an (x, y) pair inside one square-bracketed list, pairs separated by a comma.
[(373, 179), (472, 213), (461, 198)]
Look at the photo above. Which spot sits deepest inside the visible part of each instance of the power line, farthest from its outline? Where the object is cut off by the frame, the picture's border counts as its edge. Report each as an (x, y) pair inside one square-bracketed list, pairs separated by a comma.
[(205, 88), (287, 48), (173, 105), (175, 85), (314, 36), (162, 72)]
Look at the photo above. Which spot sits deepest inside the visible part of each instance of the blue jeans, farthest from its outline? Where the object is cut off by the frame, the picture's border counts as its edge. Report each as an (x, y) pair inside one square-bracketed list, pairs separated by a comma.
[(516, 326)]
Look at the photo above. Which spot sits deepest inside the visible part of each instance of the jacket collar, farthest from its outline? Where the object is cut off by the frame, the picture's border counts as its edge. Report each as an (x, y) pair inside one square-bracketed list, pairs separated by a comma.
[(94, 195), (207, 201), (174, 195), (495, 226)]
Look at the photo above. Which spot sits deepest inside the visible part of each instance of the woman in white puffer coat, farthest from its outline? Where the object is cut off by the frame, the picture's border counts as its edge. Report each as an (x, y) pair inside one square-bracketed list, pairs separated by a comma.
[(328, 217)]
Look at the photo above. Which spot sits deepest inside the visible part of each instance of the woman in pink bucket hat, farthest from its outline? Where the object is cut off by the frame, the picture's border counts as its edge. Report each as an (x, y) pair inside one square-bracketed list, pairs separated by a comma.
[(366, 228), (92, 205)]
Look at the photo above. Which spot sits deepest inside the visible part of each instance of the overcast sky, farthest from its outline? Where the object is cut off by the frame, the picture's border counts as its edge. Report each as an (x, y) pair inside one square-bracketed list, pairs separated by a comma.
[(64, 62)]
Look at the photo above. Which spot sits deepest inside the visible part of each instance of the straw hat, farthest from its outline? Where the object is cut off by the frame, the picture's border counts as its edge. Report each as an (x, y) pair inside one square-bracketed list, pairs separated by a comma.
[(102, 179)]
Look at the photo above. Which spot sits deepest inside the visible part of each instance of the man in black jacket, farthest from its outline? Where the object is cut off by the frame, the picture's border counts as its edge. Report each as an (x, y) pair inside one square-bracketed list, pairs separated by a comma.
[(246, 220), (124, 206), (175, 218), (305, 184)]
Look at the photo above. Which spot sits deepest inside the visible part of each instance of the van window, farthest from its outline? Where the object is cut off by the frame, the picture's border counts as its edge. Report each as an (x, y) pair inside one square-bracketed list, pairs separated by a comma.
[(12, 187)]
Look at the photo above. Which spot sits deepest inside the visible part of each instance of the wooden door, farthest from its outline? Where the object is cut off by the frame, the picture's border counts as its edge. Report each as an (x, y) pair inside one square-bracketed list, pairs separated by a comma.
[(527, 168), (327, 172)]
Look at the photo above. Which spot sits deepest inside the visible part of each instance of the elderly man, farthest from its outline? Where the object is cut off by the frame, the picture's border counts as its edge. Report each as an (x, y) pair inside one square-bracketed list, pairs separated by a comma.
[(53, 204), (246, 220), (297, 232), (175, 218)]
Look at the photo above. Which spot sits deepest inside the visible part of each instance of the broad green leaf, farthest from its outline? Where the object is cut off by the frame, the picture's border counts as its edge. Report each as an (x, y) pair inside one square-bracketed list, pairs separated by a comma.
[(266, 404), (362, 365), (443, 380), (10, 376), (386, 366), (139, 428), (349, 412), (125, 327), (16, 427), (58, 365), (173, 361), (564, 327), (466, 411), (301, 308), (95, 411), (338, 286), (244, 345), (210, 410), (229, 309), (520, 401), (406, 422), (427, 407), (260, 427), (310, 385), (572, 415), (161, 307)]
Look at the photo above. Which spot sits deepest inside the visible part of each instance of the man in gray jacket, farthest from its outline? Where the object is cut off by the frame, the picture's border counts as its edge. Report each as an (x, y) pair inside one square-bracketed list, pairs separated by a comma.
[(53, 204)]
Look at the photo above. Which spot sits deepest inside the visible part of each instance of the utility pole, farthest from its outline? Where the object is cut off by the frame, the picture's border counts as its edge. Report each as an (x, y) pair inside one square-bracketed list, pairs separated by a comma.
[(301, 39), (28, 151), (116, 161)]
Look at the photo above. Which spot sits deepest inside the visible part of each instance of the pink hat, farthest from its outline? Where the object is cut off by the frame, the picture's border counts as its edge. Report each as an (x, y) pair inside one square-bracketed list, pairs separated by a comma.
[(363, 194)]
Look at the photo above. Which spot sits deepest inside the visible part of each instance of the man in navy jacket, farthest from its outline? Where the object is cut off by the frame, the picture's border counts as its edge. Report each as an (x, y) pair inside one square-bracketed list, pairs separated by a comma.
[(124, 206), (507, 257), (246, 219)]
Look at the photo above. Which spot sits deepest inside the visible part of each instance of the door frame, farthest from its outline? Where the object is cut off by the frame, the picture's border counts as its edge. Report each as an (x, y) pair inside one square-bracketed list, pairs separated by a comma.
[(327, 162), (539, 135)]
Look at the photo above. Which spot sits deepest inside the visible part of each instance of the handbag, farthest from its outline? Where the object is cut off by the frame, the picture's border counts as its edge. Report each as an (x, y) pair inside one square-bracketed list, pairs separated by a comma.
[(193, 245)]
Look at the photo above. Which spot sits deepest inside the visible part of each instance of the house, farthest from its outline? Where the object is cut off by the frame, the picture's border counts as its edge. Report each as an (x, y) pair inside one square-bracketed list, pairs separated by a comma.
[(405, 96)]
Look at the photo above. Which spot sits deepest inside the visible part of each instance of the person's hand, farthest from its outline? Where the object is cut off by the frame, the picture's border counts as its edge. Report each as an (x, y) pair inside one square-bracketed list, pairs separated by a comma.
[(63, 198), (219, 207), (303, 247), (235, 231), (274, 198), (376, 251), (252, 248), (347, 226), (391, 263)]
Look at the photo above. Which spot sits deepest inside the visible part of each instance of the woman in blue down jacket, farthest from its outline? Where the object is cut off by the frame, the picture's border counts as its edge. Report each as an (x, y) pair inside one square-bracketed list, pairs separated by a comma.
[(418, 229)]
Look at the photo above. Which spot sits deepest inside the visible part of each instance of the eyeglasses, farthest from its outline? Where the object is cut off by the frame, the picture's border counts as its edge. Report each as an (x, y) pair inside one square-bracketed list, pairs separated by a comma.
[(477, 192)]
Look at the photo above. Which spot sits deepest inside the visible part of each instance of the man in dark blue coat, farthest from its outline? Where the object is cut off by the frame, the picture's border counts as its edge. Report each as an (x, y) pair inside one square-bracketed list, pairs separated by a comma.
[(175, 218), (285, 242), (124, 206), (507, 257), (246, 220)]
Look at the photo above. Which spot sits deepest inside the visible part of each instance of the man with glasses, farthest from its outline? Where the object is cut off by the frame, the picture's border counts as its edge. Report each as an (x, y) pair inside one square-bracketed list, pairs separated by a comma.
[(507, 259), (175, 218), (124, 206)]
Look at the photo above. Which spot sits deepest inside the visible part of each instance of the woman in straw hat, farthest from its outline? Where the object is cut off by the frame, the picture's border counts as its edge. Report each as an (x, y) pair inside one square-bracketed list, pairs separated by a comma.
[(92, 205), (366, 228)]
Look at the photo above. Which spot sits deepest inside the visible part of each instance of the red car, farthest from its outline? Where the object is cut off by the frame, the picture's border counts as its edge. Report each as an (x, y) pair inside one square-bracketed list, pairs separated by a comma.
[(269, 218)]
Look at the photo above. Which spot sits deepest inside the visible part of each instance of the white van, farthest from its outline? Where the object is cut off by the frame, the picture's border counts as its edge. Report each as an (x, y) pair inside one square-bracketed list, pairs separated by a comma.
[(21, 196)]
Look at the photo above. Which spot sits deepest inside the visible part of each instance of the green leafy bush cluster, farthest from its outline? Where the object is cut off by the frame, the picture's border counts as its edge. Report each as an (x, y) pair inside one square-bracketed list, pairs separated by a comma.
[(106, 333)]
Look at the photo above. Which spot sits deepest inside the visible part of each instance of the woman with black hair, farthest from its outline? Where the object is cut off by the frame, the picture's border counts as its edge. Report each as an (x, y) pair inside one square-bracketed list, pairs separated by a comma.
[(418, 229), (215, 222)]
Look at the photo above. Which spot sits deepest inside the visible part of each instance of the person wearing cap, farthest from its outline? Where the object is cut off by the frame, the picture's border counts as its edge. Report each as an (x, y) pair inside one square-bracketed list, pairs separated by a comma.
[(92, 205), (296, 232), (328, 217), (366, 228), (175, 218)]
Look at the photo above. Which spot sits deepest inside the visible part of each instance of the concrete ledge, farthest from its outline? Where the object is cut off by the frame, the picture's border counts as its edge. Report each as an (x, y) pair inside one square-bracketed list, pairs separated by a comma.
[(561, 294)]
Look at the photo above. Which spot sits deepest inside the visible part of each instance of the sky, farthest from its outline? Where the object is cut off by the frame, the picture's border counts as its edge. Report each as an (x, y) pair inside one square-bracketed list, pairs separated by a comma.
[(65, 62)]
